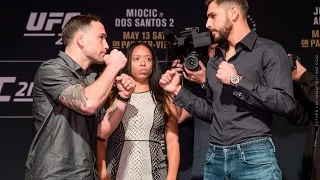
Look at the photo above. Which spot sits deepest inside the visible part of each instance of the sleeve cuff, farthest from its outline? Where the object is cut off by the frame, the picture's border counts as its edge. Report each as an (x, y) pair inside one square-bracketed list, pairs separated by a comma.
[(182, 97), (304, 78), (63, 87), (244, 88)]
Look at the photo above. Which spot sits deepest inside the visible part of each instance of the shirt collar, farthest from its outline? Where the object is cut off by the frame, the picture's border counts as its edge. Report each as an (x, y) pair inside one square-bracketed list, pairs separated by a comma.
[(74, 66), (248, 41)]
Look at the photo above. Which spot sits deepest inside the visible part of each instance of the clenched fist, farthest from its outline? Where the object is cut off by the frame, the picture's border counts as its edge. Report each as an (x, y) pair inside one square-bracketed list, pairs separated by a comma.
[(115, 59), (125, 85), (170, 81), (225, 71)]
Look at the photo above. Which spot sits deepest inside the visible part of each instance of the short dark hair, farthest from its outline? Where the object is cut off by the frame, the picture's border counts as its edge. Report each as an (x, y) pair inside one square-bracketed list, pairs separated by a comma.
[(75, 23), (243, 4)]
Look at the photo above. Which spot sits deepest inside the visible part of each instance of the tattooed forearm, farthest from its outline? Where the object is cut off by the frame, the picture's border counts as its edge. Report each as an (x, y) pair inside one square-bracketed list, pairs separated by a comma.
[(106, 127), (110, 111), (74, 97), (103, 113)]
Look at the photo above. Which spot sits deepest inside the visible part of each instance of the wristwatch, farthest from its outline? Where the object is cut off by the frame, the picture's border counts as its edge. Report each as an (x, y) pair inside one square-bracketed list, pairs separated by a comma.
[(122, 98), (203, 85), (235, 79)]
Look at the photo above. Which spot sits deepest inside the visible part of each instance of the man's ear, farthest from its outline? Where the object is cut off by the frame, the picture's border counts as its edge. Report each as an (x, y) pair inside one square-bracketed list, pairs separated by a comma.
[(234, 13), (80, 39)]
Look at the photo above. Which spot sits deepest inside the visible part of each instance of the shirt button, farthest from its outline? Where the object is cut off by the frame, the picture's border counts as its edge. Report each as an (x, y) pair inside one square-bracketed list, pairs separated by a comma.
[(225, 150), (224, 128), (239, 94), (225, 110)]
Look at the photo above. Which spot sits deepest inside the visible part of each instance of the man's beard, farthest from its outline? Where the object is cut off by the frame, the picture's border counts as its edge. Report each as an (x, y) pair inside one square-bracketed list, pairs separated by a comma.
[(224, 32)]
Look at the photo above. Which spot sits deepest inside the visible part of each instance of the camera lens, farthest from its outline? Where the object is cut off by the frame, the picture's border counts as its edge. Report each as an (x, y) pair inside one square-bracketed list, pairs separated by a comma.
[(192, 62)]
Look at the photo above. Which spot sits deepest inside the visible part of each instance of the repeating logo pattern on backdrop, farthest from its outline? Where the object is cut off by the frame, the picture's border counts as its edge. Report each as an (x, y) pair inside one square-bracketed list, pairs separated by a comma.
[(47, 24), (16, 90)]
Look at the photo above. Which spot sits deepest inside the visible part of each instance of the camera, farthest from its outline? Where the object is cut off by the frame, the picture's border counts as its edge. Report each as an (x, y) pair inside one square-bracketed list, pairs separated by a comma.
[(189, 47), (292, 60)]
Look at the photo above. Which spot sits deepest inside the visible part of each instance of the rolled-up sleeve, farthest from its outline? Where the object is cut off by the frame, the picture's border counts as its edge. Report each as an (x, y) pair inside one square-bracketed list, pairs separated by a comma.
[(55, 78)]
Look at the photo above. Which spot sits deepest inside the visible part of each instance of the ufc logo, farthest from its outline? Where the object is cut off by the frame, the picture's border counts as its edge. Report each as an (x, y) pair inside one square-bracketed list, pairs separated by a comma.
[(45, 21), (21, 94), (42, 24)]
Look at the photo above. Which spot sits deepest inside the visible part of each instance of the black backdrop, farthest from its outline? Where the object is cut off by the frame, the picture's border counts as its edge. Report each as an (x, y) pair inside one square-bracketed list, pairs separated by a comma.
[(25, 43)]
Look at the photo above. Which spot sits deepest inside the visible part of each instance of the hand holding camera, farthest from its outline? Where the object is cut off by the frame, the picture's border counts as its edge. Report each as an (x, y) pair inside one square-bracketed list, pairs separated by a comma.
[(296, 68), (298, 71), (292, 61), (198, 76)]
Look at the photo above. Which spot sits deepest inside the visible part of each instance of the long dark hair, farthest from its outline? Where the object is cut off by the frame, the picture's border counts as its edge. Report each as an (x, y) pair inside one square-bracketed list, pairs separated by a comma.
[(160, 97)]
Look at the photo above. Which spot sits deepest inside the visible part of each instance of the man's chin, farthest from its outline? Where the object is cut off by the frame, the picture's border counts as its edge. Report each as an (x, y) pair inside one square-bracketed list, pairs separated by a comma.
[(219, 40), (100, 61)]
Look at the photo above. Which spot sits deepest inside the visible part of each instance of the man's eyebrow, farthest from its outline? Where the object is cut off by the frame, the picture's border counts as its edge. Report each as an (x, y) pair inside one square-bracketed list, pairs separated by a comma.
[(103, 34), (210, 14)]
